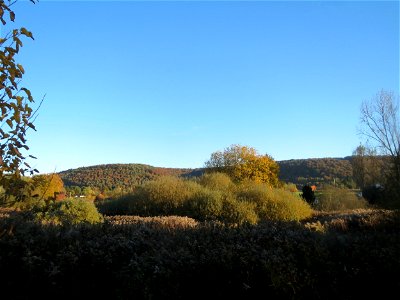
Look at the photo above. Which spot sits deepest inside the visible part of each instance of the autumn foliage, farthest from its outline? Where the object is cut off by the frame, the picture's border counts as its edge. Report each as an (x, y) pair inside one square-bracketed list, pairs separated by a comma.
[(47, 186), (243, 163), (212, 197), (16, 107)]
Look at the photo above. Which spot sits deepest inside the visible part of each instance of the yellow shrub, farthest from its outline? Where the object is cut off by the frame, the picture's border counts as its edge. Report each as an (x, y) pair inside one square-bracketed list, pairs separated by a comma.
[(274, 204)]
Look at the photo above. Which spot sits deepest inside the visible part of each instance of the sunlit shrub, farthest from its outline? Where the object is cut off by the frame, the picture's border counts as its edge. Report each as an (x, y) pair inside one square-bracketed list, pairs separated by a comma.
[(212, 197), (238, 212), (217, 181), (333, 198), (275, 204), (167, 193), (73, 211), (205, 205), (171, 222), (291, 187)]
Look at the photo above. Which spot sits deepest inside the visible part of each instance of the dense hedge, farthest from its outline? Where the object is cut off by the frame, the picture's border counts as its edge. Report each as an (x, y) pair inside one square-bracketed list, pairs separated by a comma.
[(355, 255), (212, 197)]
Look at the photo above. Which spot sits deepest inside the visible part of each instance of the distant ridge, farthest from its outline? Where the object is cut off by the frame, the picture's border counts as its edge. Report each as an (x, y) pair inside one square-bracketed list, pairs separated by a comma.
[(127, 176), (317, 171)]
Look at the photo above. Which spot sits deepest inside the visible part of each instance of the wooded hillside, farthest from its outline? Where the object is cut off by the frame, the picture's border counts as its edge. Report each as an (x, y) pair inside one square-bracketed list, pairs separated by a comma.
[(126, 176), (111, 176), (317, 171)]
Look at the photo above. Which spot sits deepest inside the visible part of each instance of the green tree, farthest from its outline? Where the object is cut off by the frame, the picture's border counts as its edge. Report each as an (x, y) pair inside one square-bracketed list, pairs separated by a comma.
[(245, 163), (16, 108), (88, 191)]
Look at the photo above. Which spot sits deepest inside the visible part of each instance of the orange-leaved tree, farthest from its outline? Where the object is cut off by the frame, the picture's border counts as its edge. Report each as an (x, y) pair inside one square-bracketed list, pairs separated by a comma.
[(245, 163), (47, 186)]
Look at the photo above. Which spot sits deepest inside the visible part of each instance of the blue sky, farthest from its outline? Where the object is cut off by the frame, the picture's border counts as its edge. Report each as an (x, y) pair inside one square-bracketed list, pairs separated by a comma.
[(168, 83)]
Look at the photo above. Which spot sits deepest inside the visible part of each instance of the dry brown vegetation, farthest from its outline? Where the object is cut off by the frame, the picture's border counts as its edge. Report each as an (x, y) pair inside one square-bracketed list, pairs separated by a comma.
[(343, 255)]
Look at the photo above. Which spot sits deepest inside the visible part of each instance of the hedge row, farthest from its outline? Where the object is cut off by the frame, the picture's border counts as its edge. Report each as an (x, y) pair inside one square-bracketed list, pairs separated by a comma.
[(278, 260)]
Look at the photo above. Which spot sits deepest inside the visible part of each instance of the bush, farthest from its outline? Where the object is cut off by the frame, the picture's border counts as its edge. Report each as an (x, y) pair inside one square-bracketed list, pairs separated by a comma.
[(29, 203), (217, 181), (165, 195), (238, 212), (291, 187), (275, 204), (333, 198), (205, 205), (68, 212), (213, 197)]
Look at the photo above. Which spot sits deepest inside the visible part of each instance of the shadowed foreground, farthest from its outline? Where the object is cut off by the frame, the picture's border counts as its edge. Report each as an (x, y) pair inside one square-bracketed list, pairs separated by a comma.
[(344, 256)]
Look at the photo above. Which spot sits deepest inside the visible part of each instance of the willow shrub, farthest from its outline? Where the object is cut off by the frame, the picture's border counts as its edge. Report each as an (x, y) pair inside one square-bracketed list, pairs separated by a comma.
[(336, 199), (217, 181), (68, 212), (204, 205), (212, 197), (238, 212), (274, 204), (167, 195)]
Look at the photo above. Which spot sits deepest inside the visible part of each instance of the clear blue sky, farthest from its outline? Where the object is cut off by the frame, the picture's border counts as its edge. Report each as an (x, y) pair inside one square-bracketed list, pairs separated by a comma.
[(168, 83)]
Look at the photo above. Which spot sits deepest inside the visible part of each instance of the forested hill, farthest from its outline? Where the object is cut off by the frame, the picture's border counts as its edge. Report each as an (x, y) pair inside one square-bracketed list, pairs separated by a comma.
[(317, 171), (126, 176)]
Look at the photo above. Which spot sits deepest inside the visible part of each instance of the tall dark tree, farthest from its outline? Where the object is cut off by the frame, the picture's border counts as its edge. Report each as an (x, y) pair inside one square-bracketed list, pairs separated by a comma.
[(308, 194)]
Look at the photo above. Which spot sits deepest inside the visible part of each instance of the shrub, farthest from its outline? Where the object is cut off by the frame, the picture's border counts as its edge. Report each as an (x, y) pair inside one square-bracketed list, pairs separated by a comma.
[(68, 212), (29, 203), (205, 205), (238, 212), (275, 204), (167, 195), (164, 196), (291, 187), (217, 181), (333, 198), (170, 222)]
